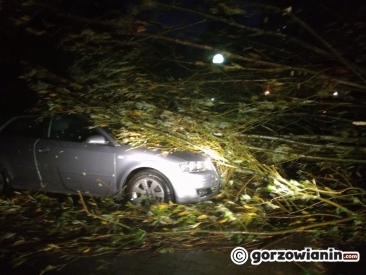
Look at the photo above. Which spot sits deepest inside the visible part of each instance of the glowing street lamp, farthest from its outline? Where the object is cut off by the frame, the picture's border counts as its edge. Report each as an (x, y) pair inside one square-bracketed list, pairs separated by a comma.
[(218, 59)]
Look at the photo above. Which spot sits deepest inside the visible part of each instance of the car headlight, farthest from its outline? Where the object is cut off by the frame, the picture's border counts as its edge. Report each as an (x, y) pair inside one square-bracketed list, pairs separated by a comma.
[(196, 166)]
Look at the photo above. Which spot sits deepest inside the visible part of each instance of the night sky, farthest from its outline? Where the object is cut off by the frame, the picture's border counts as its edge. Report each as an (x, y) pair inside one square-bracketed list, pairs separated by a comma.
[(17, 45)]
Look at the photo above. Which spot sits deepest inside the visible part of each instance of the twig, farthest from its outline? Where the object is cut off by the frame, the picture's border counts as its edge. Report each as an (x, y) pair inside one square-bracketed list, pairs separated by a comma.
[(96, 216), (262, 233)]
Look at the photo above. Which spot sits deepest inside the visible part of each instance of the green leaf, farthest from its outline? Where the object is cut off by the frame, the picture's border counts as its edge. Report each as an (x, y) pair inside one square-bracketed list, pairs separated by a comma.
[(8, 236), (237, 238), (166, 250), (49, 268)]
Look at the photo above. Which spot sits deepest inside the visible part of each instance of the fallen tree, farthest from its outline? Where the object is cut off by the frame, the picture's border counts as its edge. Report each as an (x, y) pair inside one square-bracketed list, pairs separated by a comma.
[(283, 119)]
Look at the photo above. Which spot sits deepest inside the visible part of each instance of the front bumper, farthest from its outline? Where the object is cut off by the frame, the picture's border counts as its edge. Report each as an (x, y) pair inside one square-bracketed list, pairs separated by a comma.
[(195, 187)]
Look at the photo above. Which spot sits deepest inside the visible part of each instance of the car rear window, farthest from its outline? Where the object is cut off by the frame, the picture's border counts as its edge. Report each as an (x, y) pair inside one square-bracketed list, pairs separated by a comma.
[(23, 127)]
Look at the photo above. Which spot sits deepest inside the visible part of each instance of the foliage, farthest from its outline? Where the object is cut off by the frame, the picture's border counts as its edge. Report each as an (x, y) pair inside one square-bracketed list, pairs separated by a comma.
[(283, 105), (79, 227)]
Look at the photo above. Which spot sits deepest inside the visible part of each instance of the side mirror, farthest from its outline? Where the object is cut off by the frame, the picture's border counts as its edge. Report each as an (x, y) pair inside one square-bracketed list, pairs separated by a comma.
[(98, 139)]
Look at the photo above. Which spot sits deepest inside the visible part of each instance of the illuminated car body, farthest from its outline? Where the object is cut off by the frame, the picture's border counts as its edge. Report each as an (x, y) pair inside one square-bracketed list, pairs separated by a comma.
[(66, 154)]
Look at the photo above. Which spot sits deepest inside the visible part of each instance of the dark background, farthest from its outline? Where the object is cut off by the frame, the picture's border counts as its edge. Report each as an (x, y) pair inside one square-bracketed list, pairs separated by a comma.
[(16, 45)]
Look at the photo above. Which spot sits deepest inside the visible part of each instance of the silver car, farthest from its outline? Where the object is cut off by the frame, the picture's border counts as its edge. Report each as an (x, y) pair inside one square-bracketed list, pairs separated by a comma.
[(66, 154)]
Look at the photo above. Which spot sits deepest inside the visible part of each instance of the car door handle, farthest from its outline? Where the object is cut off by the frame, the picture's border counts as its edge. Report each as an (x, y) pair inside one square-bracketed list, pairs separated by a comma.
[(44, 150)]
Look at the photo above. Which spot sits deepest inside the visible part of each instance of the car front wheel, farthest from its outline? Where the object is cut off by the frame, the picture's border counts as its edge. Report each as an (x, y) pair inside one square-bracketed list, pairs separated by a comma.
[(148, 186)]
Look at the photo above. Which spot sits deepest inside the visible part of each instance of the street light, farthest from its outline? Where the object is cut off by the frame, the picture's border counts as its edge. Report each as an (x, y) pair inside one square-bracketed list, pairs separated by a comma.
[(218, 59)]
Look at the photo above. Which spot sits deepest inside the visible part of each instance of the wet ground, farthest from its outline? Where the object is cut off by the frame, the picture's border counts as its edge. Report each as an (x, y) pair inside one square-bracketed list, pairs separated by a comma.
[(193, 262)]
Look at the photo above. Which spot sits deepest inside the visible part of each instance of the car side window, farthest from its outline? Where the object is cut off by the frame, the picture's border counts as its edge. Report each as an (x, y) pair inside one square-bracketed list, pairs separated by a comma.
[(24, 127), (70, 128)]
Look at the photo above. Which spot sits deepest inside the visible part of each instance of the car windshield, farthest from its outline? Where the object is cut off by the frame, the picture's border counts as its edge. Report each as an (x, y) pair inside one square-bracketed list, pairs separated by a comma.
[(113, 129)]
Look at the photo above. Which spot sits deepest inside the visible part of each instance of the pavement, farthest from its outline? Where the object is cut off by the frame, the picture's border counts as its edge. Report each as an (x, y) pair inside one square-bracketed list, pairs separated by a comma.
[(193, 262), (176, 263)]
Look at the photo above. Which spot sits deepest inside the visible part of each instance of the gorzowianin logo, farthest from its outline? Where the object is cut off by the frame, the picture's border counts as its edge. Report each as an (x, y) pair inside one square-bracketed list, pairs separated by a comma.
[(239, 255)]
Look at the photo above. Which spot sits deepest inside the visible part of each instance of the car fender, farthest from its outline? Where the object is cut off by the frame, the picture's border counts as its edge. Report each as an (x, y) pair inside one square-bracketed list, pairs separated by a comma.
[(133, 167)]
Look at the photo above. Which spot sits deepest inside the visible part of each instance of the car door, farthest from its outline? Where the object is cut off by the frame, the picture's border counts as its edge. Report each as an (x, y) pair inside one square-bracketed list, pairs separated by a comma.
[(18, 138), (67, 164)]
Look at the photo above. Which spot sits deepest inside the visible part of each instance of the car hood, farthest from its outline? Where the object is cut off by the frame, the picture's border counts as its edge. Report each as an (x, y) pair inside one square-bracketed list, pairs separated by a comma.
[(179, 156), (188, 156)]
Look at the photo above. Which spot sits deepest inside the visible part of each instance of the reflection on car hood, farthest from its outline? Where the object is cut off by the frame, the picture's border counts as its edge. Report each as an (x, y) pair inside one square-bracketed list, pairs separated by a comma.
[(179, 155), (188, 156)]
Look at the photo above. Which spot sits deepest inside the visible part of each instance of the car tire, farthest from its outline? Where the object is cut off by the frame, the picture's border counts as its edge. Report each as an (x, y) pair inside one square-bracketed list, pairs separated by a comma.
[(148, 186), (4, 183)]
